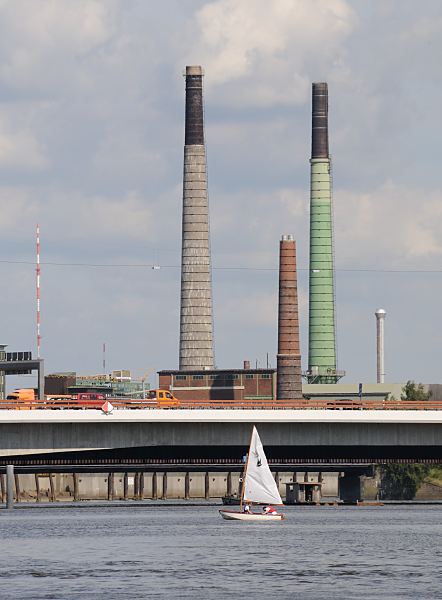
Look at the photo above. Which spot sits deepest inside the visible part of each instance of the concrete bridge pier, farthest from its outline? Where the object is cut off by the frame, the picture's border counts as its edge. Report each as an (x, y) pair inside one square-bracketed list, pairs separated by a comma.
[(10, 487), (350, 488), (358, 486)]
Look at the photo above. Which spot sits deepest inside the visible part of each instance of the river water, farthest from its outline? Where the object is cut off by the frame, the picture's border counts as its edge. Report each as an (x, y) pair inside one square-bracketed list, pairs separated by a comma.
[(146, 551)]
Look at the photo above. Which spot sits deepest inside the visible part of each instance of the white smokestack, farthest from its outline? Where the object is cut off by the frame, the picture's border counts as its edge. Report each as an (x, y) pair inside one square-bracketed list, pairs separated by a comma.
[(380, 319)]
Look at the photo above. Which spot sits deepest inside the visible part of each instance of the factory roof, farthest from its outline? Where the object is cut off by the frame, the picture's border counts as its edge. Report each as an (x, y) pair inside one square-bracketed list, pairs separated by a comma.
[(214, 371)]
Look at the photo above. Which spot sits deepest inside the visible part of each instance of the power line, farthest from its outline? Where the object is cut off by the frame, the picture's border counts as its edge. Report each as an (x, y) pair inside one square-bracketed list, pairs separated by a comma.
[(239, 268)]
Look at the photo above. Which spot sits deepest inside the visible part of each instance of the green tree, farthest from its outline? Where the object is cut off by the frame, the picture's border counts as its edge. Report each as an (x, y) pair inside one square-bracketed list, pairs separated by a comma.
[(401, 482), (414, 391)]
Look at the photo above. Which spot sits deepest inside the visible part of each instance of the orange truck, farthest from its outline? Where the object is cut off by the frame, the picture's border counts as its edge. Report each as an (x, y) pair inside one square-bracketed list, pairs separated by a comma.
[(163, 399), (23, 399)]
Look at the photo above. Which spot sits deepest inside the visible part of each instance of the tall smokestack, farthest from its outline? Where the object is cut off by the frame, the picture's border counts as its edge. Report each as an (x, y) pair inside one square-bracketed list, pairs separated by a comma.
[(322, 340), (196, 320), (380, 368), (289, 383)]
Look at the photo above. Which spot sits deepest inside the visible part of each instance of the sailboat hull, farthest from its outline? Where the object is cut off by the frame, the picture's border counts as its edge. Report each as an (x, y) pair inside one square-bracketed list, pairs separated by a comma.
[(234, 515)]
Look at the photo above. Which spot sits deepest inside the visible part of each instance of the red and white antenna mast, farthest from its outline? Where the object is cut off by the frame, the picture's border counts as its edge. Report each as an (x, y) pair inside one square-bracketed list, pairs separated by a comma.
[(37, 270)]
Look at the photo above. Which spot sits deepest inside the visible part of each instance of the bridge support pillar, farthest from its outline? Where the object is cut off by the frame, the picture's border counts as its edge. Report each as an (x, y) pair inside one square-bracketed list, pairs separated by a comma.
[(165, 485), (207, 486), (125, 485), (17, 488), (141, 486), (76, 494), (10, 487), (154, 486), (136, 485), (51, 486), (350, 487), (110, 486), (229, 483), (187, 485), (37, 488)]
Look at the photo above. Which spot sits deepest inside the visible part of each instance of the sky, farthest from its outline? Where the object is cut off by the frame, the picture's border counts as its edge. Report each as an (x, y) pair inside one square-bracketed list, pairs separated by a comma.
[(91, 148)]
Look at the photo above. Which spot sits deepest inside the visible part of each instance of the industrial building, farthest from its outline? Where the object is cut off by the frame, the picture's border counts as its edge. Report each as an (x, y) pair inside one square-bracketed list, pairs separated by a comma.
[(20, 363), (220, 384), (116, 384)]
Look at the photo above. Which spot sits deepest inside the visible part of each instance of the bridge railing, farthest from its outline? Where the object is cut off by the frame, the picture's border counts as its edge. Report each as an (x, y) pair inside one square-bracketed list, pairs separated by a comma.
[(251, 404)]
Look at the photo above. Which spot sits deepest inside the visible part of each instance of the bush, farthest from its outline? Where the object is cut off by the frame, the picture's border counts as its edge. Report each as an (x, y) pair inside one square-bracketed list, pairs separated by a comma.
[(401, 482), (414, 391)]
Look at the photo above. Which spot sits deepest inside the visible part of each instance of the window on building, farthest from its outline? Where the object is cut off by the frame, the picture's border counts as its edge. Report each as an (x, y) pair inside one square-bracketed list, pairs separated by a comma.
[(232, 376), (249, 376), (266, 376), (180, 377), (198, 377)]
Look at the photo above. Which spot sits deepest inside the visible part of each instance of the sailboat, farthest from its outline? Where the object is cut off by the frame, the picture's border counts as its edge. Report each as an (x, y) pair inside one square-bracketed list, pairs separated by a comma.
[(258, 485)]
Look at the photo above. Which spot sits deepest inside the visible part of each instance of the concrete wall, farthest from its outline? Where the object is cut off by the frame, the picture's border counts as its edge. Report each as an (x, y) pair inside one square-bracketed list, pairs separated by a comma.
[(95, 486), (45, 437)]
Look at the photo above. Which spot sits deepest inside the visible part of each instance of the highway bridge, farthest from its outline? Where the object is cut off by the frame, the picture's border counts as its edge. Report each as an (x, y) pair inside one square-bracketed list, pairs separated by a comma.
[(299, 436)]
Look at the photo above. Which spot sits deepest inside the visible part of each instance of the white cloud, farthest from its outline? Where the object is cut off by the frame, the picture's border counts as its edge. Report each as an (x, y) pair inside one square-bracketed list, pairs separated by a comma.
[(389, 226), (91, 114), (68, 217), (270, 46), (21, 150), (40, 39)]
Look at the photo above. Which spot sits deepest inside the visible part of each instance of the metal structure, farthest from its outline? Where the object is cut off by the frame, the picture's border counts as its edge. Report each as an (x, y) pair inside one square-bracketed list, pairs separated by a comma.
[(196, 318), (380, 367), (12, 366), (37, 271), (2, 373), (289, 381), (322, 367)]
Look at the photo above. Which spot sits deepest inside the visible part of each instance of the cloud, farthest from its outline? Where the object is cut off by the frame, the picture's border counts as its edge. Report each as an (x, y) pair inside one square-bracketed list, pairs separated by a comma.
[(391, 226), (269, 48), (20, 150), (91, 135), (44, 44)]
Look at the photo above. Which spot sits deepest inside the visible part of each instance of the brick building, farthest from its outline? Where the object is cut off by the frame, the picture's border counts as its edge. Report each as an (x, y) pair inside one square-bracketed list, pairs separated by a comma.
[(229, 384)]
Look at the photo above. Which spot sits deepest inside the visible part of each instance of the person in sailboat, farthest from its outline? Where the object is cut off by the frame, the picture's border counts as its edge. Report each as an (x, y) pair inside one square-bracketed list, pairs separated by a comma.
[(258, 486), (269, 510)]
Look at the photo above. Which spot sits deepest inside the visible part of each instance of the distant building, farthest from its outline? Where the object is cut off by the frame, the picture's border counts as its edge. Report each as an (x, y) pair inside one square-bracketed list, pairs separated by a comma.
[(224, 384), (117, 384)]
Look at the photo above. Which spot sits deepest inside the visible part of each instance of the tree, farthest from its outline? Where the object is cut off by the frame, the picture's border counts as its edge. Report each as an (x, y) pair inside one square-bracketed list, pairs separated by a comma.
[(401, 482), (414, 391)]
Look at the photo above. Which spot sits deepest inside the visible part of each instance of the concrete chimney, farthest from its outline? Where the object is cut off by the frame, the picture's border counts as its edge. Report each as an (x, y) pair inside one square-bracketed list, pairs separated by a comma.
[(380, 367), (289, 383), (322, 366), (196, 319)]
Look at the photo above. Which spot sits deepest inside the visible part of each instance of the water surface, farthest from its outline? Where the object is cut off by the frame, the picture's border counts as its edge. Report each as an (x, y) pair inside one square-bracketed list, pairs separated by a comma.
[(190, 552)]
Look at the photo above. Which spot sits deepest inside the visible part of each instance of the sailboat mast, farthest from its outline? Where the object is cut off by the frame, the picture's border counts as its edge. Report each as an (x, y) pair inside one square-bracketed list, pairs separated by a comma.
[(244, 473)]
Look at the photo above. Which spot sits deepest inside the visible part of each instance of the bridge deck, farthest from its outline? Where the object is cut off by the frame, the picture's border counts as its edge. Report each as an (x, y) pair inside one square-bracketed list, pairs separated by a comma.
[(220, 416)]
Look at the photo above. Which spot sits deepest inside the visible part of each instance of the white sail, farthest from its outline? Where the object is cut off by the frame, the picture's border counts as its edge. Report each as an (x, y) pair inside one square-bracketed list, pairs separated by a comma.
[(259, 484)]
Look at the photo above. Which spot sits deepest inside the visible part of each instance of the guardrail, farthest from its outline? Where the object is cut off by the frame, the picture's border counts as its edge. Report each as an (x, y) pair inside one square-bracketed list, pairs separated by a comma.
[(312, 404)]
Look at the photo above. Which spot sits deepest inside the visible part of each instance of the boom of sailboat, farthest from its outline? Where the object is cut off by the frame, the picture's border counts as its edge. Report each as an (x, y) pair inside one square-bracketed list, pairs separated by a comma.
[(258, 486)]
